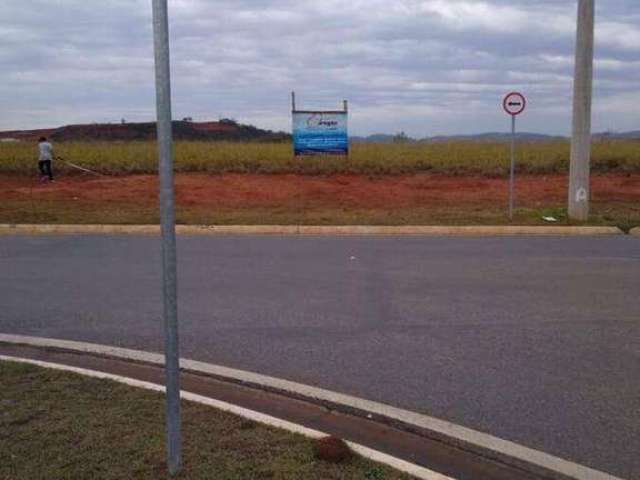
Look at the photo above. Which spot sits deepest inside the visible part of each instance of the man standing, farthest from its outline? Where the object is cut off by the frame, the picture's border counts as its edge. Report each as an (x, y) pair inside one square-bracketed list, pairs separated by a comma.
[(44, 161)]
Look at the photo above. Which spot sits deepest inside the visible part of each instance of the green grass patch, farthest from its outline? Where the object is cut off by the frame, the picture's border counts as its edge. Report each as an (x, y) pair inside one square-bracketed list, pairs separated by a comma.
[(59, 425), (61, 211), (454, 158)]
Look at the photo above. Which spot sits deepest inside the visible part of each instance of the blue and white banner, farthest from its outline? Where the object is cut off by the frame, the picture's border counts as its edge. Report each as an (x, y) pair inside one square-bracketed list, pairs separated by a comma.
[(320, 133)]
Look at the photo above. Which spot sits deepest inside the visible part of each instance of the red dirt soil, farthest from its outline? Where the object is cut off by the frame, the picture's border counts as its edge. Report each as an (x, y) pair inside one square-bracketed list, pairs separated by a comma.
[(342, 191)]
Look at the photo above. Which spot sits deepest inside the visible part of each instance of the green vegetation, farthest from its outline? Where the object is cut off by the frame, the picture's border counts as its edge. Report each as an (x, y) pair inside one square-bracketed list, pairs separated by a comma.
[(56, 425), (61, 211), (456, 158)]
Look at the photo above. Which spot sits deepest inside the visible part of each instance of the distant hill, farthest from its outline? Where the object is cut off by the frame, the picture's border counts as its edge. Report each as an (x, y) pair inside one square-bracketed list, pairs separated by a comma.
[(492, 137), (182, 130), (633, 135), (376, 138), (25, 135), (496, 137), (232, 131), (481, 137)]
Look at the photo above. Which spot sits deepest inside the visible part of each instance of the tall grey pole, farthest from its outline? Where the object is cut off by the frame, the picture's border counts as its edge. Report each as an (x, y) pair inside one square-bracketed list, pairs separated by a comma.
[(513, 165), (167, 221), (582, 94)]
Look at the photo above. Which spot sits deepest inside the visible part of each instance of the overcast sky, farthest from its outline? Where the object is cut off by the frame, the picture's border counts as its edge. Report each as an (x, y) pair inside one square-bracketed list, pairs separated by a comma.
[(423, 66)]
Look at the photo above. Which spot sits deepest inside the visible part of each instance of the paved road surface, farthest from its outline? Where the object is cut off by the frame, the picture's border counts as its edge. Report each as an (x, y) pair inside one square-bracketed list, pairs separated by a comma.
[(536, 340)]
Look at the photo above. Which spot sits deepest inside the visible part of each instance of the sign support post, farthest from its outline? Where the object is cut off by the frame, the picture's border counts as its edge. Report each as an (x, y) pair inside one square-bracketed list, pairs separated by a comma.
[(167, 223), (514, 104), (513, 165)]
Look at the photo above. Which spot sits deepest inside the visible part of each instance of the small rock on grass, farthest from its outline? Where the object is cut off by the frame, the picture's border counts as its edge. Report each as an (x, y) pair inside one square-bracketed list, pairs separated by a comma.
[(332, 449)]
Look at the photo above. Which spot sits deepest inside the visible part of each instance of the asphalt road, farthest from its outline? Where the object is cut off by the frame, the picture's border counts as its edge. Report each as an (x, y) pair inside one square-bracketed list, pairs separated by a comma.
[(535, 340)]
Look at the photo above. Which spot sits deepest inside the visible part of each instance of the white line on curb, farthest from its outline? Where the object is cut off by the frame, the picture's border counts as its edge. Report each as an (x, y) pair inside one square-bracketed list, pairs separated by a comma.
[(483, 441), (376, 456)]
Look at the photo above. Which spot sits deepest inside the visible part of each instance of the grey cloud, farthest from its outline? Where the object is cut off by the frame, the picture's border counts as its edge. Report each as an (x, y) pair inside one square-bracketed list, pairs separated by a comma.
[(425, 66)]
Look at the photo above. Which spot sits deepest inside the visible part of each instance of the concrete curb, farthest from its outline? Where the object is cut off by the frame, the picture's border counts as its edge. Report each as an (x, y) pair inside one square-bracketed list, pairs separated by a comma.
[(375, 455), (483, 444), (317, 230), (635, 232)]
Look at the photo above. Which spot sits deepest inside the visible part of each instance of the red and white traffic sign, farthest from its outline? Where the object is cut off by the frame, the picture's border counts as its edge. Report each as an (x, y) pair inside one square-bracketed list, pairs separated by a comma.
[(514, 103)]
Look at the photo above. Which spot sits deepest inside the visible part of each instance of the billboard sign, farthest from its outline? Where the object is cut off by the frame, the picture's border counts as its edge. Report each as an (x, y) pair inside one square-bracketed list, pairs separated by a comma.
[(320, 133)]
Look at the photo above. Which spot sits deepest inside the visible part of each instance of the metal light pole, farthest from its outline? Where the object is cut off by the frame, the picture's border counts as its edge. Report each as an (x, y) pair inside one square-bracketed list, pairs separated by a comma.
[(167, 221), (582, 95)]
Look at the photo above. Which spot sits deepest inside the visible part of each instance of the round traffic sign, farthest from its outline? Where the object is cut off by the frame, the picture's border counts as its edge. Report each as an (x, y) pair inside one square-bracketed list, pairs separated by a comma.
[(514, 103)]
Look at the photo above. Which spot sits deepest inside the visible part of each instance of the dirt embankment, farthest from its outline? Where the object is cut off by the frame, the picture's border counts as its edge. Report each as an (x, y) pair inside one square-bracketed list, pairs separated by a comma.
[(336, 191)]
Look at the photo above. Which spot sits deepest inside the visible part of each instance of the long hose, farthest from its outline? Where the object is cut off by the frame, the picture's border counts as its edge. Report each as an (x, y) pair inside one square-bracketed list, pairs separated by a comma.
[(78, 167)]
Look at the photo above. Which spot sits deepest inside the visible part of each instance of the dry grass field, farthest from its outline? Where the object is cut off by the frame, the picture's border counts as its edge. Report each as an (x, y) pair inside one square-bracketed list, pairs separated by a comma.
[(452, 158)]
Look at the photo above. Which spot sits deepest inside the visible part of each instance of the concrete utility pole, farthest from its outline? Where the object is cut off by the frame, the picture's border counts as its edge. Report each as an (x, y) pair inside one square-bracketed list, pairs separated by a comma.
[(167, 223), (579, 191)]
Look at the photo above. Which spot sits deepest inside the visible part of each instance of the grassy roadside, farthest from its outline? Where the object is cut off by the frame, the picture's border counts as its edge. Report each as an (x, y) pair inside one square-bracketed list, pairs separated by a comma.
[(451, 158), (60, 211), (60, 425)]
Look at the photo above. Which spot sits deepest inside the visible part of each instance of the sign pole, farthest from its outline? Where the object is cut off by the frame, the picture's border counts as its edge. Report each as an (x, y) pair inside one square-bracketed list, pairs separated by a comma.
[(167, 222), (579, 172), (513, 165), (514, 104)]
